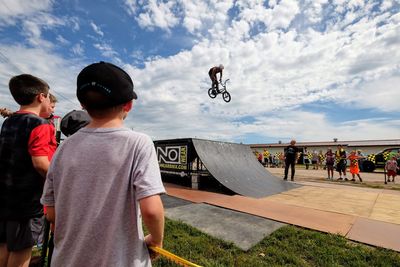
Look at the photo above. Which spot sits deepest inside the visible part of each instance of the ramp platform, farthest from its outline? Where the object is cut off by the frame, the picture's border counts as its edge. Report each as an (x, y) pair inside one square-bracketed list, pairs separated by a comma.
[(232, 165)]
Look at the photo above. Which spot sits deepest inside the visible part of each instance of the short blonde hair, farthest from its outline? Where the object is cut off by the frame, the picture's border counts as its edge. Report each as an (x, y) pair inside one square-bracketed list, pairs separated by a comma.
[(53, 98)]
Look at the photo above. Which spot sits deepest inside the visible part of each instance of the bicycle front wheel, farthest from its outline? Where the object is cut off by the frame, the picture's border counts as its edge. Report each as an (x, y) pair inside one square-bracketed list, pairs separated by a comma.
[(226, 96), (212, 93)]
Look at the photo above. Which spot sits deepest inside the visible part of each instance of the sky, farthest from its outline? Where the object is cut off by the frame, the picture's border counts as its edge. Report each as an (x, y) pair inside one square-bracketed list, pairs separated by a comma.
[(310, 70)]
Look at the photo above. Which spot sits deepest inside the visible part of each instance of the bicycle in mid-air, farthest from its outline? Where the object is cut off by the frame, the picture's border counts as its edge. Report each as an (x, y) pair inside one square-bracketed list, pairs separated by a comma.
[(213, 92)]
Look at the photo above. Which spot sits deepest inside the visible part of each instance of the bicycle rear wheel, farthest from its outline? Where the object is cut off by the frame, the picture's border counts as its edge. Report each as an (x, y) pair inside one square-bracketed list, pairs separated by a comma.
[(226, 96), (212, 93)]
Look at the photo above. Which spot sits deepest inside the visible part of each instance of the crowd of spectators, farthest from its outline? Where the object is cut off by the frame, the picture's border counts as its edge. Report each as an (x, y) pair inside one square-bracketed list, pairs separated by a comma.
[(340, 161)]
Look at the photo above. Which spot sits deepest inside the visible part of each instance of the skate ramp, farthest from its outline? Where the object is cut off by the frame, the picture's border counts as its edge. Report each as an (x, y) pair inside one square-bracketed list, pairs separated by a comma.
[(235, 167)]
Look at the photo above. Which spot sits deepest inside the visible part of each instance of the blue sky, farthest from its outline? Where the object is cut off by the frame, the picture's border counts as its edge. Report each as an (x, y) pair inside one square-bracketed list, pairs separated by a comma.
[(312, 70)]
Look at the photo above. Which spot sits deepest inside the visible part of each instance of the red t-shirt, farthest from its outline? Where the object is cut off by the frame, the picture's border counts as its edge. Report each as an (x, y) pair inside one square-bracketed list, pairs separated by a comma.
[(42, 140)]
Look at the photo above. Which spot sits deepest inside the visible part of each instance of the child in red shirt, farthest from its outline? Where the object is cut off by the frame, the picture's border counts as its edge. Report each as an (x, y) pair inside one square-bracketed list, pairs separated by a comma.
[(354, 169)]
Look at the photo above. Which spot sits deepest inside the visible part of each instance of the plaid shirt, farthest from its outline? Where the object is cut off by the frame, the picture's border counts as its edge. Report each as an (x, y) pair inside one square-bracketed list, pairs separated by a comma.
[(20, 184)]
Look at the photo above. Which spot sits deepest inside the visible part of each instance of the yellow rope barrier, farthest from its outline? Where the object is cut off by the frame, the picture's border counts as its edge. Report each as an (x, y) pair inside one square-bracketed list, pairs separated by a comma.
[(173, 257)]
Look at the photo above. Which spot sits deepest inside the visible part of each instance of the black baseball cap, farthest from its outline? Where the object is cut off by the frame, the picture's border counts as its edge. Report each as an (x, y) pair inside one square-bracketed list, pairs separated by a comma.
[(107, 79), (73, 121)]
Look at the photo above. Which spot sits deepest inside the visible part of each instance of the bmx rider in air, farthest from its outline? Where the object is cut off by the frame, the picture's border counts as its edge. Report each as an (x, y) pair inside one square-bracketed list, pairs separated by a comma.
[(213, 76)]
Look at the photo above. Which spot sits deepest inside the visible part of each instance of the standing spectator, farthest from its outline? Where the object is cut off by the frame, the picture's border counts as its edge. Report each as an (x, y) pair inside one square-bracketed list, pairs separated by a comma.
[(27, 143), (354, 169), (306, 158), (314, 160), (271, 161), (275, 161), (321, 159), (49, 113), (281, 159), (259, 157), (391, 167), (37, 225), (330, 161), (266, 156), (104, 179), (291, 154), (341, 162)]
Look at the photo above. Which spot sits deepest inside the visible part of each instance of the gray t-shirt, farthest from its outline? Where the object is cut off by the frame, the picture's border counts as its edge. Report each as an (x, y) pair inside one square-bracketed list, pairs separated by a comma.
[(94, 182)]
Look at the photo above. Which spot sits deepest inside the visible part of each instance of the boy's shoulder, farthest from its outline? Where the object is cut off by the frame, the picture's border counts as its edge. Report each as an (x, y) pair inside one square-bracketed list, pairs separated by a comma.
[(116, 133), (24, 120), (29, 116)]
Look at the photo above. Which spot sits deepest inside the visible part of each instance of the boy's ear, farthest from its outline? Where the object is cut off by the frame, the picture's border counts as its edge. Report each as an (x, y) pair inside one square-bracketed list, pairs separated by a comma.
[(128, 106), (40, 97)]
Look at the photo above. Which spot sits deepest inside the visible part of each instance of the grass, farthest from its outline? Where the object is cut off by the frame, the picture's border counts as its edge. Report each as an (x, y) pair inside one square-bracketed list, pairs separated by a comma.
[(288, 246)]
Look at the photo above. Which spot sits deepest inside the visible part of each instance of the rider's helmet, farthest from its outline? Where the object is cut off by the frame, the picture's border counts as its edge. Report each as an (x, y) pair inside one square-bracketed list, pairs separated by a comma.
[(221, 66)]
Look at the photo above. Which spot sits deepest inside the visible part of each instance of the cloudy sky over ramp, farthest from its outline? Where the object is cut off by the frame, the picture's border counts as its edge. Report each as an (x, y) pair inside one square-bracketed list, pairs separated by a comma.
[(312, 70)]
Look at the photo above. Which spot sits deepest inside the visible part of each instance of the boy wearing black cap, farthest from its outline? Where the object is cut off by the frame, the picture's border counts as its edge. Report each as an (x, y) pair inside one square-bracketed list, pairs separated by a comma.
[(113, 173)]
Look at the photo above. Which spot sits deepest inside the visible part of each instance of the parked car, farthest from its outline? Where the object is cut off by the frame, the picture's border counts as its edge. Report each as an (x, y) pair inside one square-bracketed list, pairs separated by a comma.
[(378, 160)]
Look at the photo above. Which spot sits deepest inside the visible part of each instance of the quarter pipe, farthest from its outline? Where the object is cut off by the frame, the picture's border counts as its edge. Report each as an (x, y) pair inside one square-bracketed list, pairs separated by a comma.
[(232, 165), (235, 167)]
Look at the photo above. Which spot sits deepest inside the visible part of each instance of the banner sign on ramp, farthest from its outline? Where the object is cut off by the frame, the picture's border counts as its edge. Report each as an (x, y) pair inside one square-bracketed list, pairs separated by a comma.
[(172, 157)]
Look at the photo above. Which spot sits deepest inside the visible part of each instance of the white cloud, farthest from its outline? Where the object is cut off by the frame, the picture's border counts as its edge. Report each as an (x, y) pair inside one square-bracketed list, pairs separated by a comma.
[(62, 40), (278, 17), (33, 26), (382, 94), (59, 73), (107, 51), (308, 126), (33, 33), (96, 29), (202, 15), (131, 5), (197, 14), (158, 14), (15, 8), (74, 23), (77, 49), (283, 14), (313, 10), (386, 4)]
